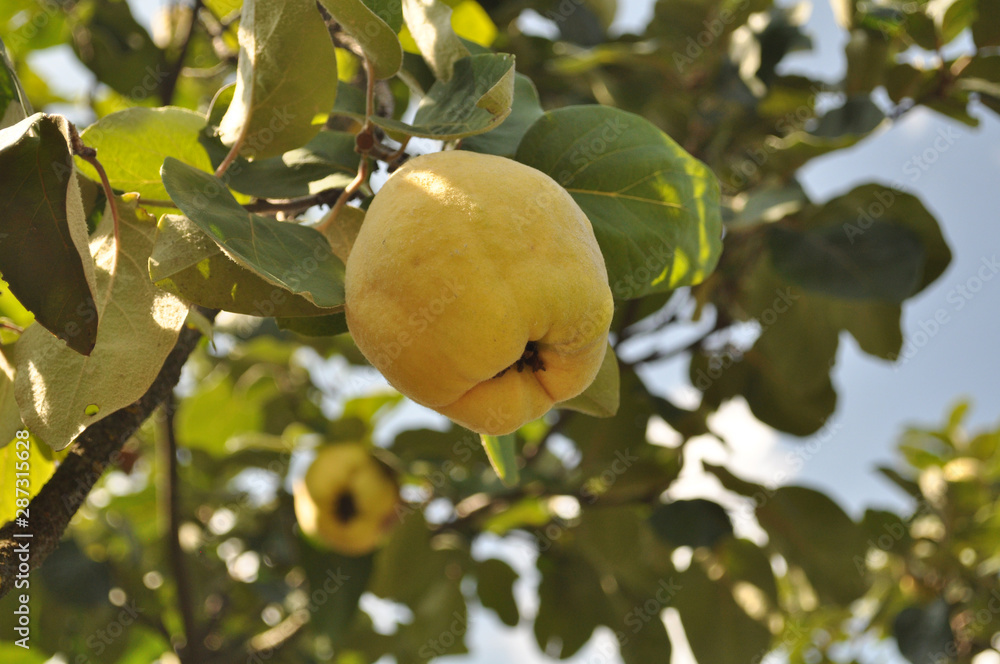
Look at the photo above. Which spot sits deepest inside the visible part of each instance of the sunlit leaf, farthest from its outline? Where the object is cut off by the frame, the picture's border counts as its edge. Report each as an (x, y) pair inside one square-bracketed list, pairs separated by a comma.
[(288, 255), (286, 80), (655, 209), (61, 392)]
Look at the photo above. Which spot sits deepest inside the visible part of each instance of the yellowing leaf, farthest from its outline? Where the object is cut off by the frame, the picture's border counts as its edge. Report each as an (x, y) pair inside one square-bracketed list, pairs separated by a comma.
[(61, 393)]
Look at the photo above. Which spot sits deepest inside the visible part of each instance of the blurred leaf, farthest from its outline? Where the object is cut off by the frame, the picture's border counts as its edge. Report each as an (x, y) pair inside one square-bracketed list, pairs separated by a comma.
[(571, 604), (923, 632), (43, 233), (213, 414), (139, 325), (693, 523), (747, 562), (113, 45), (189, 264), (367, 24), (602, 397), (717, 629), (282, 95), (429, 23), (14, 104), (857, 117), (986, 28), (502, 453), (495, 585), (287, 255), (336, 583), (329, 325), (813, 532), (654, 208), (474, 100), (504, 139), (408, 549), (958, 16), (133, 143)]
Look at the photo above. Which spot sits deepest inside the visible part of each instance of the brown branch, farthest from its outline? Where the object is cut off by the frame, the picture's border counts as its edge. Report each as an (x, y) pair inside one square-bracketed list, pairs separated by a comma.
[(170, 505), (96, 448)]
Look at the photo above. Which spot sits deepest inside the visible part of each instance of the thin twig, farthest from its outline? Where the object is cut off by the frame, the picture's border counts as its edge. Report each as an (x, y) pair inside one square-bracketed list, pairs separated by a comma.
[(170, 509), (234, 152), (169, 85), (89, 155), (345, 196)]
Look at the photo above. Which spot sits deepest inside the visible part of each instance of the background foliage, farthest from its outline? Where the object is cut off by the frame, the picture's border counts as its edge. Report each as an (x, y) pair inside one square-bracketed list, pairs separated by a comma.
[(790, 573)]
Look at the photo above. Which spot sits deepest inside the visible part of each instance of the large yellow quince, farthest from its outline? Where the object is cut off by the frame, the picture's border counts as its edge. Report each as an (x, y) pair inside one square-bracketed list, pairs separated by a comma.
[(477, 288), (347, 500)]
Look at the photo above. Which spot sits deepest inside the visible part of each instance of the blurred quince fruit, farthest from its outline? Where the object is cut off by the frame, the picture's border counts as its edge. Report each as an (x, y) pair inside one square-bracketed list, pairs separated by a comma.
[(476, 286), (347, 500)]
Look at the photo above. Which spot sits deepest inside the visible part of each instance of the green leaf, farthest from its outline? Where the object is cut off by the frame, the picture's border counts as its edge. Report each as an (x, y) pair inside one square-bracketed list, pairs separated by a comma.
[(884, 263), (213, 414), (329, 325), (693, 523), (390, 11), (476, 99), (959, 15), (502, 453), (336, 583), (191, 265), (571, 604), (139, 325), (133, 143), (43, 231), (924, 632), (655, 209), (863, 208), (602, 397), (327, 161), (717, 629), (113, 45), (745, 561), (14, 104), (285, 254), (504, 139), (857, 117), (986, 29), (429, 22), (813, 532), (375, 35), (495, 586), (286, 78)]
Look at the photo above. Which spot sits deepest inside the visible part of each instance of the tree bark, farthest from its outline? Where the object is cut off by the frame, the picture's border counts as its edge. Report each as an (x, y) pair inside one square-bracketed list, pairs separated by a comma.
[(97, 447)]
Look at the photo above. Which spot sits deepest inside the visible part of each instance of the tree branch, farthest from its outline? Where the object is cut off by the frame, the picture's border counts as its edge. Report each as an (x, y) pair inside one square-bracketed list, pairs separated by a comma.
[(170, 505), (95, 449), (169, 84)]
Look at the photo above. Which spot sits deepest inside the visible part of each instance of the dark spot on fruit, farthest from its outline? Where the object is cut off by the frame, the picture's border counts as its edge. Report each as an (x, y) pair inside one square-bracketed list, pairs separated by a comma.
[(529, 358), (344, 507)]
